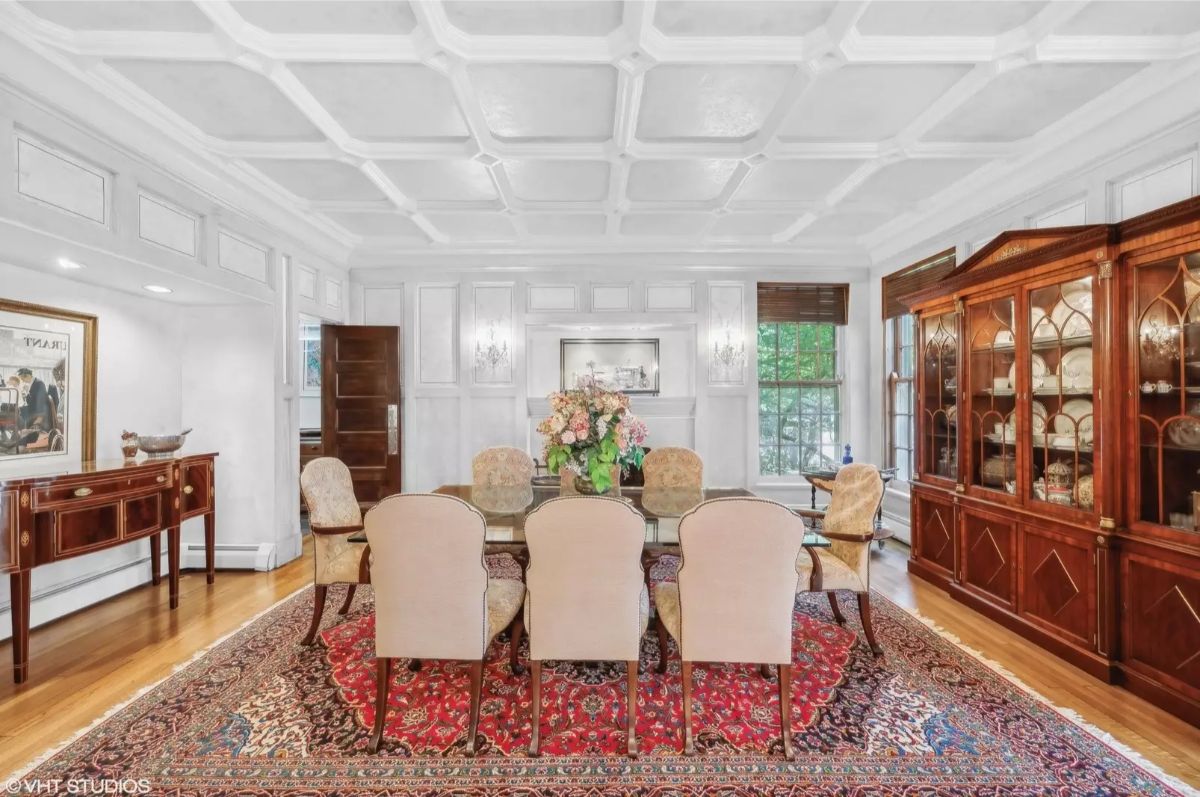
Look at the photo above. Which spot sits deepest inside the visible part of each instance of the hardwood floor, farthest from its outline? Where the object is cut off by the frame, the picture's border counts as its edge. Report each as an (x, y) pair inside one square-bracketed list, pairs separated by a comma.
[(84, 664)]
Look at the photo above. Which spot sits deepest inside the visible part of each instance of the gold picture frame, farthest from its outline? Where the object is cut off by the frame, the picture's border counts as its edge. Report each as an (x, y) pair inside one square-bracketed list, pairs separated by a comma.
[(87, 398)]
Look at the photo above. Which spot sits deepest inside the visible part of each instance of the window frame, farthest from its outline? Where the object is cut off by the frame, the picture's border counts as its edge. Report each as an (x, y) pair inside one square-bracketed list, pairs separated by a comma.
[(839, 382), (894, 381)]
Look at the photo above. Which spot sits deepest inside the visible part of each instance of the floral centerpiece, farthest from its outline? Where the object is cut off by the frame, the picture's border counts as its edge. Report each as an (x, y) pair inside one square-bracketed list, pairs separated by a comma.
[(590, 430)]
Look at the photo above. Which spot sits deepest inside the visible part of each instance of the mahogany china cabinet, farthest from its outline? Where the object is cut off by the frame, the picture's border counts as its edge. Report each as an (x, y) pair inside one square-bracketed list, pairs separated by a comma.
[(1057, 485)]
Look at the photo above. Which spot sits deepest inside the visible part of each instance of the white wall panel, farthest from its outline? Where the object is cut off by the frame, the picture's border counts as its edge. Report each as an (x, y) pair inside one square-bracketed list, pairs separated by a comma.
[(242, 256), (552, 298), (437, 334), (725, 450), (162, 223), (63, 181), (333, 293), (306, 282), (383, 307), (1069, 215), (1161, 185), (435, 435), (670, 296), (726, 325), (492, 421), (612, 297)]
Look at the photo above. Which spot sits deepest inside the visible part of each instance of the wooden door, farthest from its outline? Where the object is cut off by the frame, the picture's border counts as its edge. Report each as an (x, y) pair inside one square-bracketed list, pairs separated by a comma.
[(360, 405)]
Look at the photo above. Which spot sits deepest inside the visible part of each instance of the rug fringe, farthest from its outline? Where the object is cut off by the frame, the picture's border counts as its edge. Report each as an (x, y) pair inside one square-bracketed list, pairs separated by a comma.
[(1068, 714), (175, 670)]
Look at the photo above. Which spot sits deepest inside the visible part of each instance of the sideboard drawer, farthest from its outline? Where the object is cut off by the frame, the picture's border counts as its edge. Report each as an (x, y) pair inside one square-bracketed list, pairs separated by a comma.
[(143, 516), (8, 530), (64, 495), (78, 531)]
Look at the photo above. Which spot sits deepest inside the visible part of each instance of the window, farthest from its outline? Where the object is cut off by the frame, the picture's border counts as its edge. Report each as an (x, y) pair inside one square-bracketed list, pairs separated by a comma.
[(799, 397), (901, 363)]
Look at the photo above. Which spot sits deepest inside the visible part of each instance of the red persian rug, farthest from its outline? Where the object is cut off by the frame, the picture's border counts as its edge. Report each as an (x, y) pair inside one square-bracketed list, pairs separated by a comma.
[(259, 713)]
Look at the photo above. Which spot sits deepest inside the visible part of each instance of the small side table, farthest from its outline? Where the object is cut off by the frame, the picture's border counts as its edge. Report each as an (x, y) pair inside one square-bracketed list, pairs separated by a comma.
[(882, 533)]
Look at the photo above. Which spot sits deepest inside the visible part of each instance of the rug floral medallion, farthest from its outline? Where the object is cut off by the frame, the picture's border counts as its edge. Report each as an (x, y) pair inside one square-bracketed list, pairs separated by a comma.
[(261, 713)]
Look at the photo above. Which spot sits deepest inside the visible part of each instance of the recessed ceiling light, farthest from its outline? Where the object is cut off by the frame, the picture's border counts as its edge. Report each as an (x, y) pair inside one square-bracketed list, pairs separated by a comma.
[(68, 264), (157, 289)]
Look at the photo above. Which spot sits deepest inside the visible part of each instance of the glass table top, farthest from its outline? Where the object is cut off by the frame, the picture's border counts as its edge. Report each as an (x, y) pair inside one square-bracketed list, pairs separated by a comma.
[(506, 507)]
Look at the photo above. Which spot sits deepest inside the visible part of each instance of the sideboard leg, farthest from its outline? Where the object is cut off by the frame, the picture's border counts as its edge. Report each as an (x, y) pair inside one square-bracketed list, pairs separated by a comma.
[(19, 590), (210, 544), (173, 564), (156, 558)]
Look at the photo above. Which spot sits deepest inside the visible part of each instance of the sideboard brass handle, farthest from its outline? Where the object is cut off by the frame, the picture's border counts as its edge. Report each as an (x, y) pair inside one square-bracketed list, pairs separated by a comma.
[(161, 479), (189, 490), (83, 492)]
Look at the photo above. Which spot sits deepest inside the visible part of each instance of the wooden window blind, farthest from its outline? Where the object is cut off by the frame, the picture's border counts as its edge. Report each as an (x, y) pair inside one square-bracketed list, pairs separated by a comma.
[(911, 279), (813, 303)]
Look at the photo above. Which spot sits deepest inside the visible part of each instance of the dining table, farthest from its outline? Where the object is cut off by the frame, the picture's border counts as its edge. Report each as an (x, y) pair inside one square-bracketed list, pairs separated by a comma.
[(505, 508)]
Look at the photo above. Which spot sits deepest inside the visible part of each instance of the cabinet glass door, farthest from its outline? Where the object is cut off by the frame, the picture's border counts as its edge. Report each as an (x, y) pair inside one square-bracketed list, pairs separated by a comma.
[(991, 340), (939, 388), (1168, 374), (1062, 416)]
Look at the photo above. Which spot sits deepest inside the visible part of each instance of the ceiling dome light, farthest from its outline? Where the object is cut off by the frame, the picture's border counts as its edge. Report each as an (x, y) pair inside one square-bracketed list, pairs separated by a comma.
[(157, 288), (68, 264)]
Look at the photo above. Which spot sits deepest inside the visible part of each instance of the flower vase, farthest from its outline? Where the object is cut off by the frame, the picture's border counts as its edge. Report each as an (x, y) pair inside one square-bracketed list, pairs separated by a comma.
[(585, 486)]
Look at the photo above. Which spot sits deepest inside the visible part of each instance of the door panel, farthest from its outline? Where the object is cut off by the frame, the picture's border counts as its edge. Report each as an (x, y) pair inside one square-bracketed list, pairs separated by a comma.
[(8, 530), (1058, 588), (360, 405), (1162, 618), (933, 534), (989, 555)]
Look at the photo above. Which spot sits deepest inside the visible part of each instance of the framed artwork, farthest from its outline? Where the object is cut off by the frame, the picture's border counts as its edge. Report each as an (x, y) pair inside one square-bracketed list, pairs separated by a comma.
[(625, 364), (310, 358), (47, 386)]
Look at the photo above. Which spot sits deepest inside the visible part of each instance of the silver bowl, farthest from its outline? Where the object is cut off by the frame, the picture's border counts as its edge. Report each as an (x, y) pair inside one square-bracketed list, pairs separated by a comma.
[(162, 446)]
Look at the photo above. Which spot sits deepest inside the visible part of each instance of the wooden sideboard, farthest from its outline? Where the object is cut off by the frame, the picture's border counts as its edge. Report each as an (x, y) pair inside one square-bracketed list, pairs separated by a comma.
[(92, 506)]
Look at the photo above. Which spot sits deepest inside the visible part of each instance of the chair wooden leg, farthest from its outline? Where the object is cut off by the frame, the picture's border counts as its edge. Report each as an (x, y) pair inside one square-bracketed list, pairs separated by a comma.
[(864, 611), (662, 644), (689, 746), (318, 609), (631, 696), (514, 644), (383, 681), (765, 671), (414, 665), (349, 598), (535, 699), (476, 688), (837, 610), (785, 709)]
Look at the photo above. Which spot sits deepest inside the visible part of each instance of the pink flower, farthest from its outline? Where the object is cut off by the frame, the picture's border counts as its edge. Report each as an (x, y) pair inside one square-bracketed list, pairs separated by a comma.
[(568, 438)]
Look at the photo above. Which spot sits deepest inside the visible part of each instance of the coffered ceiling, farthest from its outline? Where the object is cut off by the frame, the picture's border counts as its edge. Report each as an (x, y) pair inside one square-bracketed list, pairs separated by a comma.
[(408, 129)]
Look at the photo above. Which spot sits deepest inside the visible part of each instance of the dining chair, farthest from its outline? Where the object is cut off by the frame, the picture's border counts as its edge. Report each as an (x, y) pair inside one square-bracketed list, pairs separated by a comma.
[(586, 596), (502, 466), (673, 467), (735, 595), (849, 525), (333, 515), (433, 597)]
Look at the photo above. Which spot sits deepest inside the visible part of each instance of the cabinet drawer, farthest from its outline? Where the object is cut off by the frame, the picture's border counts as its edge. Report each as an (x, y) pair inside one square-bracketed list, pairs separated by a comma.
[(78, 531), (143, 515), (196, 481), (8, 530), (77, 492)]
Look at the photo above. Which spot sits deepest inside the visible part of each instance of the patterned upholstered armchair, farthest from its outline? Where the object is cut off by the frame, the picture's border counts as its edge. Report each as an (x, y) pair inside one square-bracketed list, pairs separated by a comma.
[(501, 466), (849, 524), (334, 515), (673, 467)]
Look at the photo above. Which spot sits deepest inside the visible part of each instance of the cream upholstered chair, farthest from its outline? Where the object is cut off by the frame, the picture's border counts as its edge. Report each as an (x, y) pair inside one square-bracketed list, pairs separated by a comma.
[(433, 597), (735, 596), (333, 515), (849, 524), (587, 598), (501, 466), (673, 467)]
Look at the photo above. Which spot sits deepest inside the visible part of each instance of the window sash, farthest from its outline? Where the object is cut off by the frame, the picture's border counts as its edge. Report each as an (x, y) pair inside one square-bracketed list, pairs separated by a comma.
[(797, 438)]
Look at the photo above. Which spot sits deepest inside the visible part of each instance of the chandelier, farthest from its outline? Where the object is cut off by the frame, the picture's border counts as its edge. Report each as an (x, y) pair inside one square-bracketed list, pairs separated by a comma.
[(490, 354), (727, 354)]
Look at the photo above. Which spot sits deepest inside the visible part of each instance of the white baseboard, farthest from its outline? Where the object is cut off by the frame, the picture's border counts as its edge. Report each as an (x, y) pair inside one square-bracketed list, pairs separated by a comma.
[(62, 599)]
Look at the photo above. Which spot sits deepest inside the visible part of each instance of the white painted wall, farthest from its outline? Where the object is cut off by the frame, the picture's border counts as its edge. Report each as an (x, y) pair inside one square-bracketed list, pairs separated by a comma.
[(451, 411), (1157, 172)]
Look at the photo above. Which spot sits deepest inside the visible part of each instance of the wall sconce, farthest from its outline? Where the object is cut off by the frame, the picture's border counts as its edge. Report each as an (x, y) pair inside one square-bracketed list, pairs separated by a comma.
[(491, 354), (729, 351)]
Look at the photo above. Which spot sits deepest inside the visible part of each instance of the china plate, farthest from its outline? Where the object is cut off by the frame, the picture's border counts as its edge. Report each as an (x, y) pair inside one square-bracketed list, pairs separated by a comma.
[(1039, 417), (1079, 411), (1071, 316), (1036, 364), (1185, 432), (1076, 368), (1191, 292)]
